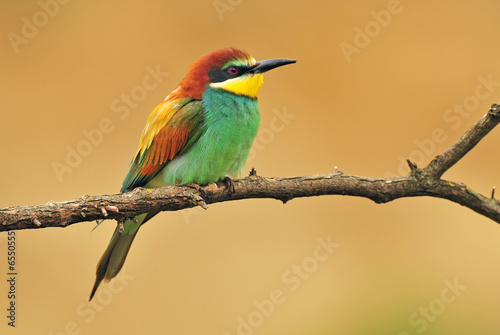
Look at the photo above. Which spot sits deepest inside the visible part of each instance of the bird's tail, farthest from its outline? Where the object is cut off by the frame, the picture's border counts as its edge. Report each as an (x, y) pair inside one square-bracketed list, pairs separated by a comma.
[(113, 258)]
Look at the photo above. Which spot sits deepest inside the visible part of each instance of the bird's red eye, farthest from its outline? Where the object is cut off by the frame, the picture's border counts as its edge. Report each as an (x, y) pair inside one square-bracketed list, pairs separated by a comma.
[(233, 70)]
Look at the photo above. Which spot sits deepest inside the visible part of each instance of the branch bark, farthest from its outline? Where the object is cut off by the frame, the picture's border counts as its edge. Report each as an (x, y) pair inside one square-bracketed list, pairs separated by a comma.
[(419, 182)]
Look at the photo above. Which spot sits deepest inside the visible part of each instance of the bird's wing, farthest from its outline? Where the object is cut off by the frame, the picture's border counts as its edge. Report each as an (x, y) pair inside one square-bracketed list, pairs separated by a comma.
[(172, 126)]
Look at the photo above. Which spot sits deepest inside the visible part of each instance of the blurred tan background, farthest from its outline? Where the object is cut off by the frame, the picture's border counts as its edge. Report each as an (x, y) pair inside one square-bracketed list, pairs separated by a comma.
[(374, 83)]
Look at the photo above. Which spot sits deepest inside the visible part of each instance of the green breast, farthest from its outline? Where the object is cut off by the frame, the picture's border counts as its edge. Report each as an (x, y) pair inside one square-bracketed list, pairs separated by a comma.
[(230, 126)]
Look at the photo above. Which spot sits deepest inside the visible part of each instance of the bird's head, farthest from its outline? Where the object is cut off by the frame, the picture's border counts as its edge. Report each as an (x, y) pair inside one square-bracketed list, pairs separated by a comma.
[(229, 69)]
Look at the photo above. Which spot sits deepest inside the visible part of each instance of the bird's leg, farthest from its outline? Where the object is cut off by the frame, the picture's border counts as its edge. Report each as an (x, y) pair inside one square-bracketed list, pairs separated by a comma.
[(228, 183)]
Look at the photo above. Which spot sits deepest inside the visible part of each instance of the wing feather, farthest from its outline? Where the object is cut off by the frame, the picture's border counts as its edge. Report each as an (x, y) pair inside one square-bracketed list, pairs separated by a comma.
[(172, 127)]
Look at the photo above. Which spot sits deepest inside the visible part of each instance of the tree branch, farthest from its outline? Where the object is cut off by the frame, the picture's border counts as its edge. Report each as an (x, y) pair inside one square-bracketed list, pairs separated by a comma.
[(419, 182), (447, 159)]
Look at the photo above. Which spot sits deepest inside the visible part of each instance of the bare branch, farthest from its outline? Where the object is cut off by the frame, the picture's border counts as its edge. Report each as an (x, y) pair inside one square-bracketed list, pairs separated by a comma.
[(447, 159), (419, 182)]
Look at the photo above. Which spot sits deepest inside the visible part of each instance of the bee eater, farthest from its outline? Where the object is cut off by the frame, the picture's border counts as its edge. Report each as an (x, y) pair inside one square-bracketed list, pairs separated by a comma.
[(201, 133)]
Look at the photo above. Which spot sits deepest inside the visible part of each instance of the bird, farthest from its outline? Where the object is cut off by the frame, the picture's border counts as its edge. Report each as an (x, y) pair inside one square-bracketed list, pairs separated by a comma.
[(201, 133)]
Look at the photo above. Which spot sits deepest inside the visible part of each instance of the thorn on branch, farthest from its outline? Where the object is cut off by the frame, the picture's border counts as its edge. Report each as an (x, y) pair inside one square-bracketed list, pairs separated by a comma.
[(337, 171), (253, 174), (37, 222), (200, 201), (493, 193), (413, 166), (284, 200)]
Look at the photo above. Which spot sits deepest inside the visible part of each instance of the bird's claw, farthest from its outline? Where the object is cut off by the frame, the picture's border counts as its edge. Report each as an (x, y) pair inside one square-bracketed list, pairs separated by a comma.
[(112, 209), (107, 208), (104, 211), (228, 183)]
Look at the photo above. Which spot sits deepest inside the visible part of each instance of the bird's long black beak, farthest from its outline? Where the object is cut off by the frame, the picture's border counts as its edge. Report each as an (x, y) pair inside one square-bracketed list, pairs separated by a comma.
[(266, 65)]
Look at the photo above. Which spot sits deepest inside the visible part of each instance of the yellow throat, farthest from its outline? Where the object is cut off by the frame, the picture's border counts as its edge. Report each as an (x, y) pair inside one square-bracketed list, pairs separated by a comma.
[(248, 85)]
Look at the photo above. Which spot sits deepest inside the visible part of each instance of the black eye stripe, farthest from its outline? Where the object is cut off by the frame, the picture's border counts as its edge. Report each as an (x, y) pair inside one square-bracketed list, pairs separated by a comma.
[(220, 75)]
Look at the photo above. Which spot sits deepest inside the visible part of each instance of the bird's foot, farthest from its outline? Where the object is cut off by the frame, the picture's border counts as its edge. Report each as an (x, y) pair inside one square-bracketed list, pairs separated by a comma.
[(228, 183)]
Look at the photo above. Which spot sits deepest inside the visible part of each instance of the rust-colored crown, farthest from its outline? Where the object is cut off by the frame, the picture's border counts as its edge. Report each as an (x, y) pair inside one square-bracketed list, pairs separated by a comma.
[(193, 84)]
